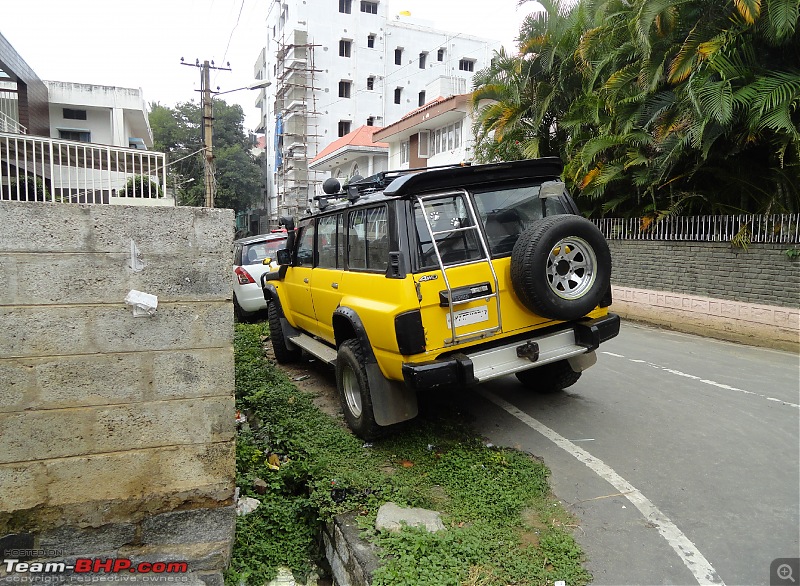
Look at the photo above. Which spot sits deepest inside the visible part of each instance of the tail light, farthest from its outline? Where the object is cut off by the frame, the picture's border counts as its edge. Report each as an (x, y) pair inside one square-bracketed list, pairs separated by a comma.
[(243, 276)]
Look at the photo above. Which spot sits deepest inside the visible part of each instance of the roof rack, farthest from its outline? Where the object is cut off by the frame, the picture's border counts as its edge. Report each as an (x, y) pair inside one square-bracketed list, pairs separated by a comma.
[(383, 178)]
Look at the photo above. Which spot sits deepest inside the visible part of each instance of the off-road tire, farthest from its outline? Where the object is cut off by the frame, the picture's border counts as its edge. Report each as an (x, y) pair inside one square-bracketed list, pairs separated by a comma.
[(550, 378), (353, 387), (283, 354), (561, 267)]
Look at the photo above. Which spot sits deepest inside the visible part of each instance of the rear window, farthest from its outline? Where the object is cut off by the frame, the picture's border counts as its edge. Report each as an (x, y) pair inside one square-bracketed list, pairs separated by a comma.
[(505, 213), (454, 232), (255, 252)]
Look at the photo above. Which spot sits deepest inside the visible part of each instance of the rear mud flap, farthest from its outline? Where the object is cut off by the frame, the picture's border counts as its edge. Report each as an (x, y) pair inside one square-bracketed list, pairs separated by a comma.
[(392, 401)]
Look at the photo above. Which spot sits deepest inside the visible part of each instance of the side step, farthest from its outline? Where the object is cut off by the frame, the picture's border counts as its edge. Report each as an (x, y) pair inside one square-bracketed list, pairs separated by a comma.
[(315, 348)]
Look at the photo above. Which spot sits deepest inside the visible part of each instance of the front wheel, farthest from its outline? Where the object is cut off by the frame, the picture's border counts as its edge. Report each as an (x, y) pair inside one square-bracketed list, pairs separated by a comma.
[(283, 354), (353, 387), (549, 378)]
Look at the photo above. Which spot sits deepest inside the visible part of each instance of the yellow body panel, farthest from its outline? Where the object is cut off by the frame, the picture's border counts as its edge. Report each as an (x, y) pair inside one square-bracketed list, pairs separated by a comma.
[(378, 300)]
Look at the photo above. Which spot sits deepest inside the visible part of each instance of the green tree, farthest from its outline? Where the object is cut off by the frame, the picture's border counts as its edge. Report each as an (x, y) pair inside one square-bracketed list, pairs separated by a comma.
[(178, 132), (659, 106)]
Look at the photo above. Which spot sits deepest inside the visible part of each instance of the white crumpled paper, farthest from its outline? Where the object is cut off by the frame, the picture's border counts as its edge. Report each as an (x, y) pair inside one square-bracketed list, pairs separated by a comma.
[(144, 304)]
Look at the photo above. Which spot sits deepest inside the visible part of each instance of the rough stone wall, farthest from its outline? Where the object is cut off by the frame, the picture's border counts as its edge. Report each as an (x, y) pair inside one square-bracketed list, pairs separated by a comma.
[(711, 289), (117, 432), (762, 274)]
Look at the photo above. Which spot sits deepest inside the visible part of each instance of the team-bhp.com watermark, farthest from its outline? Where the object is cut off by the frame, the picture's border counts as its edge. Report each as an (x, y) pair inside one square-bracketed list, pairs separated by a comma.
[(93, 570)]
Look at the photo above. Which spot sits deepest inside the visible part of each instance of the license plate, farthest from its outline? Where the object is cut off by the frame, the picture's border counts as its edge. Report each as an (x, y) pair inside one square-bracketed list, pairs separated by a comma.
[(467, 317)]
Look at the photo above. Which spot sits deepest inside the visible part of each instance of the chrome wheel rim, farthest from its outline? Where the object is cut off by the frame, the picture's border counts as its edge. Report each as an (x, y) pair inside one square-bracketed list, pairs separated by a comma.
[(571, 268), (352, 395)]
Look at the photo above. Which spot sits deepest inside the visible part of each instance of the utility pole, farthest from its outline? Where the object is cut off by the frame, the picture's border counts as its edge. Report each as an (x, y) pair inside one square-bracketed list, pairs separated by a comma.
[(208, 133), (208, 125)]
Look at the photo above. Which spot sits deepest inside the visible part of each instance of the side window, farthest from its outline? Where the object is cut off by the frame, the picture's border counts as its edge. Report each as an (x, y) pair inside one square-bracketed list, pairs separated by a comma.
[(330, 244), (368, 239), (450, 223), (305, 246)]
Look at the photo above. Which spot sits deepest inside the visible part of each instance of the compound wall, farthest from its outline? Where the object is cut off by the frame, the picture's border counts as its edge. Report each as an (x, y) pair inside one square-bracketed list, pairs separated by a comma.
[(117, 432), (710, 288)]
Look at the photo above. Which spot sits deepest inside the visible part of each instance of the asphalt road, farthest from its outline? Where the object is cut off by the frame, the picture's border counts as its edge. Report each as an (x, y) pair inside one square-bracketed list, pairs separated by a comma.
[(678, 455)]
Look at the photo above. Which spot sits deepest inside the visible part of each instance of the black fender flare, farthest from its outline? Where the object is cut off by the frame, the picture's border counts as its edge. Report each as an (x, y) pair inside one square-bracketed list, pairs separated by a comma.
[(355, 322), (271, 297), (392, 401)]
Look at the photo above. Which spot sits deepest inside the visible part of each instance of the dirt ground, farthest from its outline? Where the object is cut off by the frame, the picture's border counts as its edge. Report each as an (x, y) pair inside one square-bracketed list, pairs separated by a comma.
[(314, 377)]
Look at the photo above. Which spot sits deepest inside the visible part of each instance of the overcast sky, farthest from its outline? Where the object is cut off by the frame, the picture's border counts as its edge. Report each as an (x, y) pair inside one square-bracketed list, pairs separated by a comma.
[(139, 43)]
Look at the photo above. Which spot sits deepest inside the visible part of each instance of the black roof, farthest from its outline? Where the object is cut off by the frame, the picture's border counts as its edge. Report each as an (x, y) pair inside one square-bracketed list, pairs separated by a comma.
[(464, 176), (424, 179)]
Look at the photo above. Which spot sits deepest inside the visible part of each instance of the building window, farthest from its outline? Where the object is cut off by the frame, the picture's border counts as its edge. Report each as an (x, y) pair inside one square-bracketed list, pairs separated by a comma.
[(446, 138), (344, 48), (345, 6), (76, 135), (398, 56), (371, 121), (466, 65), (398, 92), (344, 89), (369, 7), (371, 41), (370, 83), (70, 114), (423, 57), (405, 148), (344, 127), (422, 98), (440, 55)]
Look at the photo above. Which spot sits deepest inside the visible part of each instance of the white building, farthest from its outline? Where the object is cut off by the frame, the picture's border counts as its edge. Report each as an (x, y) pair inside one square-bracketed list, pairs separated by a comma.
[(352, 154), (336, 65), (99, 113), (115, 122)]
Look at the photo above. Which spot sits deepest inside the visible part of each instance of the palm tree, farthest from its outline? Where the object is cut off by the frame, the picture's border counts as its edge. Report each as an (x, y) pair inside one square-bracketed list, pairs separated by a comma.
[(656, 106)]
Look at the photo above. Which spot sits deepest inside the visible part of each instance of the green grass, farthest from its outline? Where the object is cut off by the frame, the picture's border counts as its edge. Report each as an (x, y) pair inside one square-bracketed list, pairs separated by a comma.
[(503, 527)]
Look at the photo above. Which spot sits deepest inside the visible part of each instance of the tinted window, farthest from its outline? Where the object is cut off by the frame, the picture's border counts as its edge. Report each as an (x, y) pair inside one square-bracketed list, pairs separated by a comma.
[(368, 239), (330, 242), (305, 247), (449, 222), (505, 213)]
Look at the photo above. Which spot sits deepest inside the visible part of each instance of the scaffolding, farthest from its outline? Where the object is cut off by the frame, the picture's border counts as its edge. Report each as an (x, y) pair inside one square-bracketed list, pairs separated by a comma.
[(297, 123)]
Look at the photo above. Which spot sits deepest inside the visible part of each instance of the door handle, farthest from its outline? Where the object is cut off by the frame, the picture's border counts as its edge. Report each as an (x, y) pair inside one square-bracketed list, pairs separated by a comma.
[(305, 280), (335, 285)]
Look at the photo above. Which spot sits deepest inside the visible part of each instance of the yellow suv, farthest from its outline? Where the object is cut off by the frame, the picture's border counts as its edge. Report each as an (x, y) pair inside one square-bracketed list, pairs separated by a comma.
[(447, 276)]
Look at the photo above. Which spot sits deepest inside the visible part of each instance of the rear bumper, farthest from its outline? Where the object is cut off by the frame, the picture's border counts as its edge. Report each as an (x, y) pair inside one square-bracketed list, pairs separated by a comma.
[(481, 365), (250, 297)]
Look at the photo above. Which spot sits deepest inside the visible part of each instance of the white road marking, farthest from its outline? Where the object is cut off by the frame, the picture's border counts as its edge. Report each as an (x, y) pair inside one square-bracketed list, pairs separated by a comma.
[(697, 564), (706, 381)]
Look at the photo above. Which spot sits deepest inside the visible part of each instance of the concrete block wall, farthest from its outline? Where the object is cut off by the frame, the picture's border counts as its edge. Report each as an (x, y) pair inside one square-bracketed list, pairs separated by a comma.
[(117, 432), (710, 288)]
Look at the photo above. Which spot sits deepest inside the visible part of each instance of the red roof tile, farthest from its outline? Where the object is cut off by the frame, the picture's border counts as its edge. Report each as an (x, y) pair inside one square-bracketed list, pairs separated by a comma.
[(360, 137)]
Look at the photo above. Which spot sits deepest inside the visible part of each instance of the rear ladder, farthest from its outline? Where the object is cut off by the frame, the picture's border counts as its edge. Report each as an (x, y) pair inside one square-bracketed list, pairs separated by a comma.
[(475, 335)]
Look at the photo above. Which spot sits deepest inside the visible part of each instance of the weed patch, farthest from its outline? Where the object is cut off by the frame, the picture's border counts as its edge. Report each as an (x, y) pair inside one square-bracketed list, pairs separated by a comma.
[(502, 525)]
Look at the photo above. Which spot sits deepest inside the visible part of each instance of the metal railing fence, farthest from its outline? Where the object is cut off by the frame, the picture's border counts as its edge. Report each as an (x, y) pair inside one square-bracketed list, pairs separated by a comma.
[(748, 228), (34, 168)]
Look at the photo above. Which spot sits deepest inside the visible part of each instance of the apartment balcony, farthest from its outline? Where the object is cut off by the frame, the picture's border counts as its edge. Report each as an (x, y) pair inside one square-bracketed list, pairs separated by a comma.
[(35, 168)]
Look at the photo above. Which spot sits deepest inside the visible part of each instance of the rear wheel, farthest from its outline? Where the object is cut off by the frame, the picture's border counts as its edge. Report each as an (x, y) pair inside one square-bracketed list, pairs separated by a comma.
[(283, 354), (239, 314), (550, 378), (353, 387)]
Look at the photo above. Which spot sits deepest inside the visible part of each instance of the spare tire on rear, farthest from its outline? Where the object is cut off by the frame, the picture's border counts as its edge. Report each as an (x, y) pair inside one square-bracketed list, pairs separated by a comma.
[(561, 267)]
